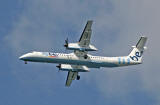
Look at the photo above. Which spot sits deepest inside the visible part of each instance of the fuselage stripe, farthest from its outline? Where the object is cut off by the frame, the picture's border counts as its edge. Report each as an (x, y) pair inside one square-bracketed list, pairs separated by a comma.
[(123, 61), (128, 60)]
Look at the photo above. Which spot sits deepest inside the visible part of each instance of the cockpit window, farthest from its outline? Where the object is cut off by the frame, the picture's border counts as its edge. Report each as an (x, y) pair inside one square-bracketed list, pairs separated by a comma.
[(33, 51)]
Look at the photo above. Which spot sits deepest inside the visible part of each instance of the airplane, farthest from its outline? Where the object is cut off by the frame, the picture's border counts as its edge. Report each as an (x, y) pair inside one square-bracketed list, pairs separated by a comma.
[(80, 60)]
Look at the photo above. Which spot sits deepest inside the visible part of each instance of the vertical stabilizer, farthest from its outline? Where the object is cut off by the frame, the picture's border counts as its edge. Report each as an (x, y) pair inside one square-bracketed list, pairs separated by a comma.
[(137, 52)]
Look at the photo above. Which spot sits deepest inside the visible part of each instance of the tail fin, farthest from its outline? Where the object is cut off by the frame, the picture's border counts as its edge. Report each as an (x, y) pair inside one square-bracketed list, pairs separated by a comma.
[(137, 52)]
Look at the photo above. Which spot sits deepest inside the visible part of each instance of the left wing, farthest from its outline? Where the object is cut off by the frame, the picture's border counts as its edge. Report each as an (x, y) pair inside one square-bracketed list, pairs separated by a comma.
[(84, 40), (71, 76)]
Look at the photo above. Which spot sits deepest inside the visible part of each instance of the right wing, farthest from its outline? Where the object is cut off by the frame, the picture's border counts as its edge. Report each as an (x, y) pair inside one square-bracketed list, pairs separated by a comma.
[(72, 71), (71, 76)]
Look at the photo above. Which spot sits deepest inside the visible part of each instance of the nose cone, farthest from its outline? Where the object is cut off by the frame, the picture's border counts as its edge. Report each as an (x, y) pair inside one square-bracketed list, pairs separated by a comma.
[(23, 57)]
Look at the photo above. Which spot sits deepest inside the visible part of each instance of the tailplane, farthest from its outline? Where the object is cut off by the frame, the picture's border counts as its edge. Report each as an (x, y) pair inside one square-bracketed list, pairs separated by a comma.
[(137, 52)]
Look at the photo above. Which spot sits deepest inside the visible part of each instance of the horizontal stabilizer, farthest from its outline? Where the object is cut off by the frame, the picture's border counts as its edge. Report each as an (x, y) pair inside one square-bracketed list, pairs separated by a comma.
[(141, 42)]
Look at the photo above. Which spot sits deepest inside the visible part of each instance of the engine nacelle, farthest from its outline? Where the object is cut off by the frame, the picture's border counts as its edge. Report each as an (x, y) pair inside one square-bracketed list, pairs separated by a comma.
[(66, 67), (76, 46)]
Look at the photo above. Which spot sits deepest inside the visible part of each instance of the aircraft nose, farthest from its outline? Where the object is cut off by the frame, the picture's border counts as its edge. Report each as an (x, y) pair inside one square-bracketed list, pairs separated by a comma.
[(23, 57)]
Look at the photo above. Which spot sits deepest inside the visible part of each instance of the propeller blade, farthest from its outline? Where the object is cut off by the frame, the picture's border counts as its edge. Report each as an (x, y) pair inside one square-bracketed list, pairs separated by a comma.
[(58, 66), (66, 43)]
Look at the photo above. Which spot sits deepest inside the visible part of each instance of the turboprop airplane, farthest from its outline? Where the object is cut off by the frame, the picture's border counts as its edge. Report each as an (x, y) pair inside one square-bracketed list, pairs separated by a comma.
[(81, 61)]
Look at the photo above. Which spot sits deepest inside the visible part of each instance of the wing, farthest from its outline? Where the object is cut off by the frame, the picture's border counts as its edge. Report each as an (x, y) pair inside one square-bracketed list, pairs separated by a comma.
[(71, 76), (73, 71), (84, 40)]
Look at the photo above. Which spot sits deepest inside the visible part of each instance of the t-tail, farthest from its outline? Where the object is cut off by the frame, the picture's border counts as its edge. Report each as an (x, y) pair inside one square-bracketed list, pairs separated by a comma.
[(137, 52)]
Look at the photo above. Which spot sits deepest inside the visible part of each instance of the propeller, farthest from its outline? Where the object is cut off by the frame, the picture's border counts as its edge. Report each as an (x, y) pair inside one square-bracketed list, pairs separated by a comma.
[(58, 66), (66, 43)]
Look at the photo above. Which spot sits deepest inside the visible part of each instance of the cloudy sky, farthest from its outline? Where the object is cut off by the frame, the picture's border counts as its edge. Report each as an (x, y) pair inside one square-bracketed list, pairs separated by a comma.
[(43, 25)]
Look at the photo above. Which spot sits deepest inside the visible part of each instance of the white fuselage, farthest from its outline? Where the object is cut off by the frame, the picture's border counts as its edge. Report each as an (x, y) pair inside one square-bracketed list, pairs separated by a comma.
[(90, 61)]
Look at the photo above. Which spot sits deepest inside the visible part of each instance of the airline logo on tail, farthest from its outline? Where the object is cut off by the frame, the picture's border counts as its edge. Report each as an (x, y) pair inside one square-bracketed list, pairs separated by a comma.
[(138, 54)]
